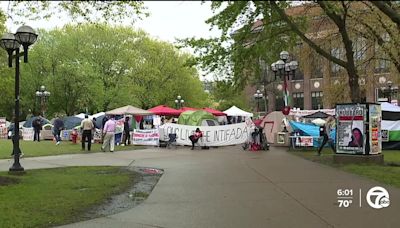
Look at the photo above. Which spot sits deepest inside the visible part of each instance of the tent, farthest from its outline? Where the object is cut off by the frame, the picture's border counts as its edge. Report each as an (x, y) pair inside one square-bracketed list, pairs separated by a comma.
[(214, 112), (316, 115), (197, 118), (183, 109), (272, 124), (71, 121), (310, 130), (235, 111), (391, 124), (129, 110), (28, 122), (163, 110)]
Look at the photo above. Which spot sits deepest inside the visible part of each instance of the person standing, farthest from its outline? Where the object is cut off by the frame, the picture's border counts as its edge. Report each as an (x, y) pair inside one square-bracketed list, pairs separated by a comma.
[(87, 127), (57, 128), (103, 122), (109, 134), (325, 134), (126, 139), (37, 126)]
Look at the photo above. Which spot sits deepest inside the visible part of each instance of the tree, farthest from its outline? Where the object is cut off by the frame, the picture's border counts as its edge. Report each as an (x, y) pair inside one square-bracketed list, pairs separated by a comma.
[(277, 29), (97, 67), (78, 11)]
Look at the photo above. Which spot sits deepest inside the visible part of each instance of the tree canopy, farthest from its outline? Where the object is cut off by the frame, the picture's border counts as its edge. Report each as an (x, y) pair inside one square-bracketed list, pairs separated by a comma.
[(99, 67)]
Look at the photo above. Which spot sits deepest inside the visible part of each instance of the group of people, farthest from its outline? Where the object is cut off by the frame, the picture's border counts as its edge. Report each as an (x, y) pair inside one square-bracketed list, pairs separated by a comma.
[(88, 127)]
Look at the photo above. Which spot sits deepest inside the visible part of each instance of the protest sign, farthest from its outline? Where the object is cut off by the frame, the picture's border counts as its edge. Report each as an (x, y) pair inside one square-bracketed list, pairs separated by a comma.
[(145, 137), (223, 135)]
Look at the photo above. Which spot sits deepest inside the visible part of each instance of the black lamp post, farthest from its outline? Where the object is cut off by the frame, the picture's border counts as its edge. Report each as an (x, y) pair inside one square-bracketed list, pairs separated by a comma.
[(285, 69), (389, 90), (258, 96), (43, 96), (24, 36), (179, 102)]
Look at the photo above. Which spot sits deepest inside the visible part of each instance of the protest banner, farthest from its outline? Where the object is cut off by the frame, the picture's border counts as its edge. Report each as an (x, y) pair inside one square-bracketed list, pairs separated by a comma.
[(27, 133), (223, 135), (145, 137)]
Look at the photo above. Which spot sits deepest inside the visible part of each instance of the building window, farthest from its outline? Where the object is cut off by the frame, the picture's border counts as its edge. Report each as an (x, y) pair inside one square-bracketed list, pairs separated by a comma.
[(360, 49), (382, 63), (316, 66), (298, 100), (316, 100), (337, 53), (279, 103)]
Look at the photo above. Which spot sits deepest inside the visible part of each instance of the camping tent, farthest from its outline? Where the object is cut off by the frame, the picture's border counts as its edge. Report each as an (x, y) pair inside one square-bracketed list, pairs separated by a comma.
[(316, 115), (214, 112), (71, 121), (391, 123), (28, 122), (129, 110), (197, 118), (272, 123), (235, 111), (163, 110)]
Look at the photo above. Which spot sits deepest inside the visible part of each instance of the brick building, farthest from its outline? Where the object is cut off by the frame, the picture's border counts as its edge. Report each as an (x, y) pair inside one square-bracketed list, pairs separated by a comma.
[(319, 83)]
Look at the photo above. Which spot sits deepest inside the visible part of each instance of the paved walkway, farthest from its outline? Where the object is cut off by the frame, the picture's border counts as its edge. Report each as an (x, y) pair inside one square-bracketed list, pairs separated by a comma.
[(229, 187)]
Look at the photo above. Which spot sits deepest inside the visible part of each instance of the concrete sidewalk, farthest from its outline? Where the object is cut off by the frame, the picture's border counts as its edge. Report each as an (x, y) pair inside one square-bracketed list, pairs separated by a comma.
[(229, 187)]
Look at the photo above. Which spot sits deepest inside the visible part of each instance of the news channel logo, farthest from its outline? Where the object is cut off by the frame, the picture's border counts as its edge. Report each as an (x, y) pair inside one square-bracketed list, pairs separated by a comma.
[(378, 197)]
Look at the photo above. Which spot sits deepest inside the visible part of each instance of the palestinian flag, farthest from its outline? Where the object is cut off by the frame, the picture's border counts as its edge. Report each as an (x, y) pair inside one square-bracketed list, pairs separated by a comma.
[(391, 125)]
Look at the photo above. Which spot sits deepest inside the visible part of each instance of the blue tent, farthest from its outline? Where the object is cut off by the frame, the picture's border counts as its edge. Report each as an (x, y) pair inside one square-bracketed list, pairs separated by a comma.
[(310, 130), (28, 123), (71, 121)]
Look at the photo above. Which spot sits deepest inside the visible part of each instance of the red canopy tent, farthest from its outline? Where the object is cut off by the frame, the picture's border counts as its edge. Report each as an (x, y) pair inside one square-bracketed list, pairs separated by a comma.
[(183, 109), (214, 112), (163, 110)]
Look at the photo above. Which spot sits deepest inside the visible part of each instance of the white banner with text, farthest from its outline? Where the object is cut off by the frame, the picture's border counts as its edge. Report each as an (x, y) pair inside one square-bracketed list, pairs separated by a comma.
[(223, 135), (145, 137)]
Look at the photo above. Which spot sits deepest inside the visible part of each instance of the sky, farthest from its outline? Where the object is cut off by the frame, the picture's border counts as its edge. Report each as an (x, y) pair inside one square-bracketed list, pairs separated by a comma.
[(167, 20)]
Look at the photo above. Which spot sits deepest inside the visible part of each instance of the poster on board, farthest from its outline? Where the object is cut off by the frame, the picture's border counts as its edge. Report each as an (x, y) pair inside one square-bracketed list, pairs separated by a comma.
[(350, 128), (375, 118)]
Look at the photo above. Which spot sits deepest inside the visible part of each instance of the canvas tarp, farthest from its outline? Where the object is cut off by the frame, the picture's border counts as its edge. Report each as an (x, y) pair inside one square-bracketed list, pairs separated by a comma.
[(194, 118), (310, 130)]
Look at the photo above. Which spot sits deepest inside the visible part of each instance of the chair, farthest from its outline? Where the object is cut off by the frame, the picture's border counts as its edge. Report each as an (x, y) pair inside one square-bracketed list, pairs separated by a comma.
[(171, 140)]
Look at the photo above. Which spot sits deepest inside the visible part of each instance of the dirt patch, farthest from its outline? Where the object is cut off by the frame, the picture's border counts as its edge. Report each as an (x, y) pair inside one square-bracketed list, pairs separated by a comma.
[(144, 182), (4, 181)]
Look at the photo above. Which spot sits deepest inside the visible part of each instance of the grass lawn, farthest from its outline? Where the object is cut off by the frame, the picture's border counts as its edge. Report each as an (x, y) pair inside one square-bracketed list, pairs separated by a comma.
[(388, 173), (45, 148), (49, 197)]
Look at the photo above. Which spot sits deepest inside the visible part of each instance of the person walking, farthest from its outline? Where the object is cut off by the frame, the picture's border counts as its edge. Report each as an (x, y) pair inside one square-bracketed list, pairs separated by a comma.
[(87, 127), (57, 128), (103, 122), (326, 130), (37, 126), (126, 140), (109, 134)]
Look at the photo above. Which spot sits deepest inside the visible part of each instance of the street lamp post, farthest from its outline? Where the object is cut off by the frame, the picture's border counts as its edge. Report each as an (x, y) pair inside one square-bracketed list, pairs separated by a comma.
[(258, 96), (24, 36), (43, 96), (388, 92), (179, 102), (284, 68)]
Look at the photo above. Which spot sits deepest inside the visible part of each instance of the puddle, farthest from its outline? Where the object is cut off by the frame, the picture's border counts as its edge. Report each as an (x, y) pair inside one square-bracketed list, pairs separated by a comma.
[(145, 180)]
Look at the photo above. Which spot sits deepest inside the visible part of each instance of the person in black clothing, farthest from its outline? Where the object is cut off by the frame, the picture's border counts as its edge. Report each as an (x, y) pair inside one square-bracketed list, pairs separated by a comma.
[(37, 126), (325, 132), (126, 139), (57, 128)]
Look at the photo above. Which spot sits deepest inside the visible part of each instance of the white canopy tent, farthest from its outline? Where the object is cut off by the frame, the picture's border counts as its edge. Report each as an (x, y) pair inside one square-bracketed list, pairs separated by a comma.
[(235, 111)]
